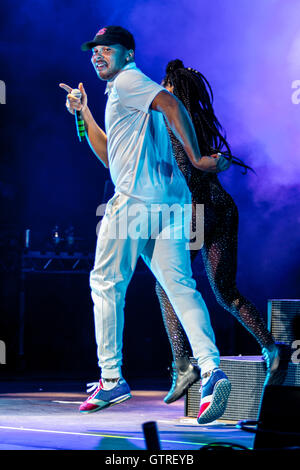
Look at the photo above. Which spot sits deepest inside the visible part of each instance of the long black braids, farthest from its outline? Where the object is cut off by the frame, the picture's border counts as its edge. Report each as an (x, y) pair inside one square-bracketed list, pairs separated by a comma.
[(195, 92)]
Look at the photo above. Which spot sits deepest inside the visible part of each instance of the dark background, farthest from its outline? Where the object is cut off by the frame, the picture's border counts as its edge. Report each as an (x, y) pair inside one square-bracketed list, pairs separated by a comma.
[(48, 178)]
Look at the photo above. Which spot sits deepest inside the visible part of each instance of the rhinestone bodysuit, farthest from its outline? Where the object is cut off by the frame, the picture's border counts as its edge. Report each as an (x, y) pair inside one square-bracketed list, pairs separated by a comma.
[(219, 253)]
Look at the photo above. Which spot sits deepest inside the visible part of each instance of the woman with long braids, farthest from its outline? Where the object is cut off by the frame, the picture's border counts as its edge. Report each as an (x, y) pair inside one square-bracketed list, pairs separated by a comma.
[(219, 250)]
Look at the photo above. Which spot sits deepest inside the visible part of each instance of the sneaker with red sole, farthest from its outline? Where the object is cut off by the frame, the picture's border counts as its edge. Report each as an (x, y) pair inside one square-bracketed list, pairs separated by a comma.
[(101, 398), (214, 396)]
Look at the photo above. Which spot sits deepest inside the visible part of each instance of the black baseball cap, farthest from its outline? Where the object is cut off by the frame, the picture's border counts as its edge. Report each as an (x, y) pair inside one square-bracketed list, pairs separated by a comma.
[(110, 35)]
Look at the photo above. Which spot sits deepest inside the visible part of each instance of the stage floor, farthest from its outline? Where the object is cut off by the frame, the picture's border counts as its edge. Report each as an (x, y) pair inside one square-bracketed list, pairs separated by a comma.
[(49, 420)]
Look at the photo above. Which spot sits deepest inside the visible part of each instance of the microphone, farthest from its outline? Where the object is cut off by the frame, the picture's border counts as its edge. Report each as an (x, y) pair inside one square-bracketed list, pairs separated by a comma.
[(78, 119)]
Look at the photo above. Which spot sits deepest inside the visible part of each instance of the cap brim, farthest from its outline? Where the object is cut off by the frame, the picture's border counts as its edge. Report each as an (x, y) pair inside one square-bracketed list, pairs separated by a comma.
[(87, 46)]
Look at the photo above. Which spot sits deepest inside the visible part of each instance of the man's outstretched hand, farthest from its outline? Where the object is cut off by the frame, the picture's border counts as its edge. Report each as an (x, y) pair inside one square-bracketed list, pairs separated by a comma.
[(72, 103)]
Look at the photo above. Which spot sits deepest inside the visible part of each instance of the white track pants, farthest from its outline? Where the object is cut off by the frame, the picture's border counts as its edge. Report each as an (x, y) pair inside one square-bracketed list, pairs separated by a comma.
[(169, 260)]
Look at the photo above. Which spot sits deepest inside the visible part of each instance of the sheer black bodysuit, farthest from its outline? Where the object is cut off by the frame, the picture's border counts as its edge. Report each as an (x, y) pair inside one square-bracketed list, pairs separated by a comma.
[(219, 254)]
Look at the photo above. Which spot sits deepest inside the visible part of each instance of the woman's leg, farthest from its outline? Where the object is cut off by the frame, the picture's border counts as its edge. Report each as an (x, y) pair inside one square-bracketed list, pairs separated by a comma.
[(220, 259), (178, 340), (184, 373)]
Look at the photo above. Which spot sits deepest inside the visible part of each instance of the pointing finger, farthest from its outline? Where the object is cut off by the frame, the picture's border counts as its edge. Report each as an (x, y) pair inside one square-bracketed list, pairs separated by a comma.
[(67, 88)]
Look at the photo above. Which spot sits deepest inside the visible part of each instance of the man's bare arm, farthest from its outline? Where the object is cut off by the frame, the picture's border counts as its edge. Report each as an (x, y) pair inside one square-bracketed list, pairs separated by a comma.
[(181, 125), (96, 137)]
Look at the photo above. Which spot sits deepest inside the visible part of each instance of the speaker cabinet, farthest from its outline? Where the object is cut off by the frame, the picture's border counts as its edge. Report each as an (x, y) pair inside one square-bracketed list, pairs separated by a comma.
[(284, 319)]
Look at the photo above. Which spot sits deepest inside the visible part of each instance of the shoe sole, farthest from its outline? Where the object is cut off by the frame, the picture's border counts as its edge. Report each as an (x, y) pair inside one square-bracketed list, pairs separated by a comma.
[(187, 386), (218, 404), (108, 404)]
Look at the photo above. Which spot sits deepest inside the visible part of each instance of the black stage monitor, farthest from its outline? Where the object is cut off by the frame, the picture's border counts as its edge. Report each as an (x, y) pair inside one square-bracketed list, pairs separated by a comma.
[(279, 418)]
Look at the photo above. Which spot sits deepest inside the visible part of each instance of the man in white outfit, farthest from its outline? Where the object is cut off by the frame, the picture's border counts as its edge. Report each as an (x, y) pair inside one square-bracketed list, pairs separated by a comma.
[(137, 150)]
